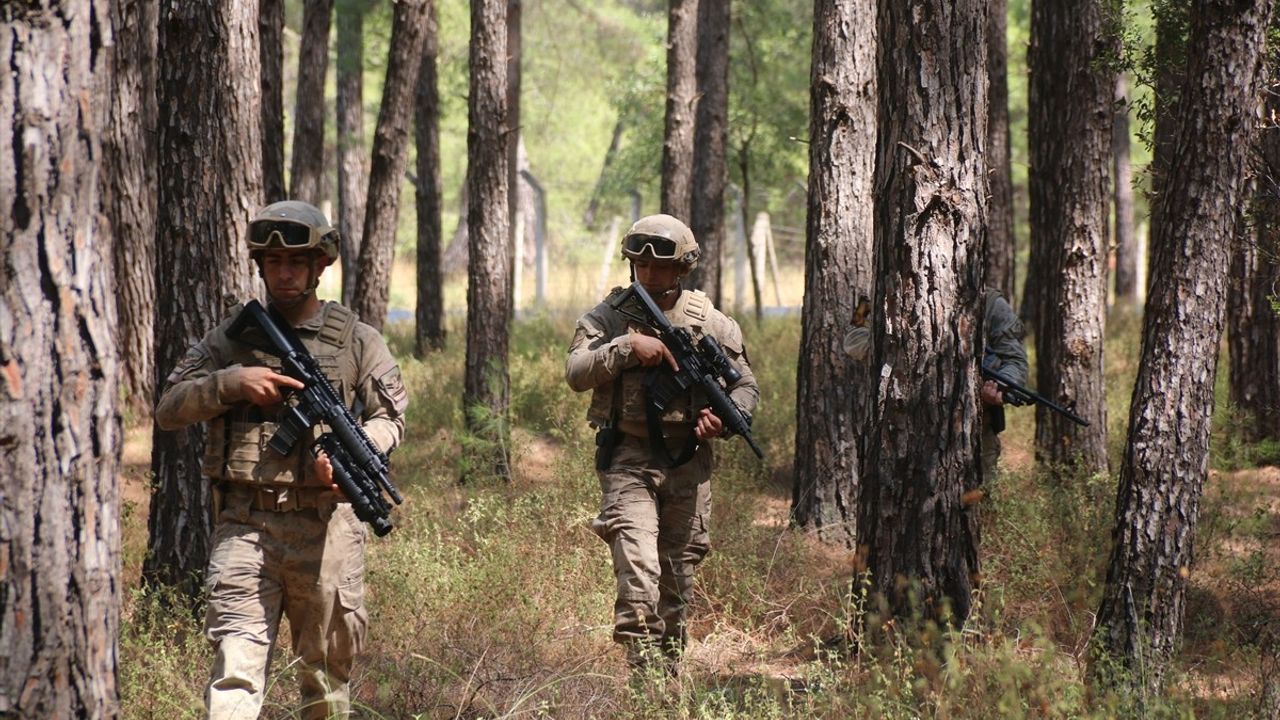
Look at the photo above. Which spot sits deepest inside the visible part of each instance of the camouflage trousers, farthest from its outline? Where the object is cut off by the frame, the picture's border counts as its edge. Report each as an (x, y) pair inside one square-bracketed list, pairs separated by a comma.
[(307, 565), (655, 522)]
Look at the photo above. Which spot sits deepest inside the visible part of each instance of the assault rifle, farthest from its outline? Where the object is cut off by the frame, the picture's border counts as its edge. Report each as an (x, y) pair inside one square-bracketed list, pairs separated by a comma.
[(700, 365), (359, 467), (1015, 394)]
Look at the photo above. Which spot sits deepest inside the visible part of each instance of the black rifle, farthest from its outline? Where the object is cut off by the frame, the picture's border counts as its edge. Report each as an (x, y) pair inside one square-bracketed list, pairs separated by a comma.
[(359, 467), (700, 365), (1015, 394)]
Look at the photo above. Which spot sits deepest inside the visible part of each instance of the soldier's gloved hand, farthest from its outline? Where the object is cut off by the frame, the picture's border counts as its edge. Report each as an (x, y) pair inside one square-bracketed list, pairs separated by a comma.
[(991, 394), (650, 351), (261, 385), (709, 425)]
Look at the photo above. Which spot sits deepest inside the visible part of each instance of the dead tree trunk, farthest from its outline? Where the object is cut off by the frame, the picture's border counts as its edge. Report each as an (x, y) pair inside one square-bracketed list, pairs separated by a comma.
[(429, 332), (998, 257), (1157, 505), (210, 180), (60, 430), (922, 442), (486, 389), (128, 190), (307, 165), (682, 88), (271, 53), (1070, 100), (831, 392), (710, 136), (352, 173), (390, 157)]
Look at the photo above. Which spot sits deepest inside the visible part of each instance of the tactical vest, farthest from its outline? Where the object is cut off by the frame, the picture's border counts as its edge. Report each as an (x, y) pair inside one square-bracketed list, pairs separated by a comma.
[(237, 445), (693, 311)]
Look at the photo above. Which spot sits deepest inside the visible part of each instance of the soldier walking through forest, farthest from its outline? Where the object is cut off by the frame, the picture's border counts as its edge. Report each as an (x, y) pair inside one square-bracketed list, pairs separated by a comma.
[(656, 490), (285, 540), (1002, 350)]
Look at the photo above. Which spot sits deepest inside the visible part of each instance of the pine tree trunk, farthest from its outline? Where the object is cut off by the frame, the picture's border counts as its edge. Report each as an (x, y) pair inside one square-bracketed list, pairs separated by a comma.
[(128, 191), (210, 180), (1171, 21), (1126, 240), (486, 391), (271, 54), (682, 88), (1140, 621), (390, 158), (429, 332), (1253, 327), (998, 257), (1070, 101), (352, 174), (831, 392), (60, 429), (307, 164), (710, 135), (922, 444)]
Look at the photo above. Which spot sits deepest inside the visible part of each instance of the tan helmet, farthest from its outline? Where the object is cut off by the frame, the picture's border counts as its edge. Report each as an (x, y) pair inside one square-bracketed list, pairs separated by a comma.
[(661, 237), (293, 225)]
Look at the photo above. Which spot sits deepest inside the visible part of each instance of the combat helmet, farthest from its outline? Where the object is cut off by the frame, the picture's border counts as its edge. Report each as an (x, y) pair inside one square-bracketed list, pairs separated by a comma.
[(293, 225), (661, 237)]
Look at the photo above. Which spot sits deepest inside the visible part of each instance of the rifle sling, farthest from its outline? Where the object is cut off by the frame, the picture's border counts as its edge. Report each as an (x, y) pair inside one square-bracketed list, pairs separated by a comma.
[(658, 444)]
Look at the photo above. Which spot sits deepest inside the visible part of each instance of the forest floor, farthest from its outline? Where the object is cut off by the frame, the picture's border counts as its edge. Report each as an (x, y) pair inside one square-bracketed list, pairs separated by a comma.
[(493, 599)]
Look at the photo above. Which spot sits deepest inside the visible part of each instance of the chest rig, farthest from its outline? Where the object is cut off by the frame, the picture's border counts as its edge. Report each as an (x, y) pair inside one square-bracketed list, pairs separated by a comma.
[(237, 450)]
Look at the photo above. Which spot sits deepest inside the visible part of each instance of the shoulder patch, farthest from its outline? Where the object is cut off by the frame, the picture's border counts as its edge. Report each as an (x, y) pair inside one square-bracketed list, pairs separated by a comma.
[(195, 359), (391, 388)]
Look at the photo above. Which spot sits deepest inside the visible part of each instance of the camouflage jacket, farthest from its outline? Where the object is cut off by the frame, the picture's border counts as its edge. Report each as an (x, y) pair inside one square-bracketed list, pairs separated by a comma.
[(352, 355)]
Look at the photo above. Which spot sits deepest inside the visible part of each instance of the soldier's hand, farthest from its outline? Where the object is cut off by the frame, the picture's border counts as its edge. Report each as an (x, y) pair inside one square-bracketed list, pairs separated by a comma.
[(991, 394), (261, 385), (322, 472), (650, 351), (709, 425)]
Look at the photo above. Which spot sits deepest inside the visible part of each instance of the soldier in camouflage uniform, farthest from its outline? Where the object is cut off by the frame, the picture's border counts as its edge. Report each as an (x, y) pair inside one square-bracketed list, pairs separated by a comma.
[(285, 540), (653, 516), (1003, 350)]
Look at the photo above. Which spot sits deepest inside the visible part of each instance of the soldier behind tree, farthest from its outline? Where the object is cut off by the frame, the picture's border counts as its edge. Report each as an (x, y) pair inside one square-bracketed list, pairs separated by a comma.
[(1002, 349), (285, 541), (654, 517)]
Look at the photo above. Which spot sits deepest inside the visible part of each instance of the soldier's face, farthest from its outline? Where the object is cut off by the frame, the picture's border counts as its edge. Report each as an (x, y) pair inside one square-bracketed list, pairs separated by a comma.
[(290, 274), (657, 275)]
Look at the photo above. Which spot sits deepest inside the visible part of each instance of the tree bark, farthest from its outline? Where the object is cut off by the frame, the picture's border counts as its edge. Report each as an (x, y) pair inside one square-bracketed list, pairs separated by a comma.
[(128, 190), (1170, 61), (352, 174), (1126, 240), (1157, 504), (514, 206), (486, 386), (60, 430), (1070, 105), (1253, 327), (710, 135), (922, 443), (210, 181), (831, 392), (390, 157), (999, 254), (682, 87), (429, 331), (271, 54), (307, 164)]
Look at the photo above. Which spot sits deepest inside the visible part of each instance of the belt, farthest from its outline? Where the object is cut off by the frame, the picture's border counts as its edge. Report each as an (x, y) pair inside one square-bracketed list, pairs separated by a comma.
[(281, 498), (679, 431)]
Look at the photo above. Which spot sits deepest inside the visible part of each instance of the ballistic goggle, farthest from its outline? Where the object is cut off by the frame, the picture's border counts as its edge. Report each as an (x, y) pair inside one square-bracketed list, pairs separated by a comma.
[(265, 234), (659, 247)]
